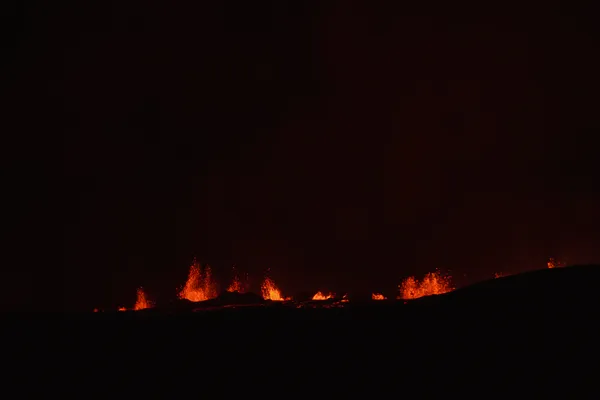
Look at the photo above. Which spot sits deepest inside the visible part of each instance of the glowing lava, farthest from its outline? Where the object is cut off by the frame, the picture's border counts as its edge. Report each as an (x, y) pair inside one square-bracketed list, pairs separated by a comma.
[(198, 287), (270, 291), (432, 283), (552, 263), (236, 285), (141, 302), (322, 296)]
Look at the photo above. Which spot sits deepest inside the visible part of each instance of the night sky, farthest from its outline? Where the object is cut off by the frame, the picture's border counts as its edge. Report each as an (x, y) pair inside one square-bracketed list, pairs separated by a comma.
[(344, 145)]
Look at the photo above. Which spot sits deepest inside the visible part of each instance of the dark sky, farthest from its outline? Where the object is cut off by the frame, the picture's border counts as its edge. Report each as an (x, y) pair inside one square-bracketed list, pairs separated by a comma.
[(343, 145)]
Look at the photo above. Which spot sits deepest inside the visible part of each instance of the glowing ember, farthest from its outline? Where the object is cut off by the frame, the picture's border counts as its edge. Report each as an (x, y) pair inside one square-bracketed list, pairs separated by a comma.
[(409, 289), (432, 283), (141, 302), (344, 298), (270, 291), (122, 309), (321, 296), (498, 275), (198, 287), (378, 296), (236, 285), (552, 263), (96, 310)]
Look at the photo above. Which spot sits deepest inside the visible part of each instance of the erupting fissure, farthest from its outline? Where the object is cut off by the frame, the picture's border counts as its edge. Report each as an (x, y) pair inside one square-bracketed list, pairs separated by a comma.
[(432, 283), (199, 286), (323, 296), (552, 263), (236, 284), (270, 291), (141, 302)]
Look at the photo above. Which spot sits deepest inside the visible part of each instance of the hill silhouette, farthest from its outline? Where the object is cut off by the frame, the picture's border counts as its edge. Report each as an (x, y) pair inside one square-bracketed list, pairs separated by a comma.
[(574, 285)]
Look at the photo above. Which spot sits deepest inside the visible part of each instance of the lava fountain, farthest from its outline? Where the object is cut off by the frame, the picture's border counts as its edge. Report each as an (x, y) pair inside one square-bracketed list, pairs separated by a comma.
[(270, 291), (236, 284), (432, 283), (141, 302), (199, 286), (552, 263), (378, 296), (322, 296)]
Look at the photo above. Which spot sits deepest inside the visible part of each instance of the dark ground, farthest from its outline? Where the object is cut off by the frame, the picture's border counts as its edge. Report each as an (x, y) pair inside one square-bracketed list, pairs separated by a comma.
[(533, 332)]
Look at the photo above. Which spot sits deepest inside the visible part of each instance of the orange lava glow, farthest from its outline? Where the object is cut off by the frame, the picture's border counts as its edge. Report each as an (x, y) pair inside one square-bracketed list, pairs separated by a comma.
[(552, 263), (270, 291), (432, 283), (236, 284), (142, 302), (322, 296), (199, 286), (96, 310)]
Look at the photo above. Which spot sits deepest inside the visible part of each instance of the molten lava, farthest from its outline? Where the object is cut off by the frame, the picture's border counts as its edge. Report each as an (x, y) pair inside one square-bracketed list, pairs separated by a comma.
[(432, 283), (270, 291), (236, 284), (141, 302), (199, 286), (322, 296), (552, 263)]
